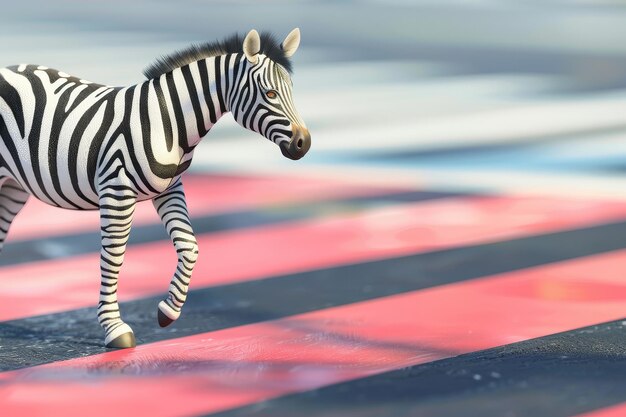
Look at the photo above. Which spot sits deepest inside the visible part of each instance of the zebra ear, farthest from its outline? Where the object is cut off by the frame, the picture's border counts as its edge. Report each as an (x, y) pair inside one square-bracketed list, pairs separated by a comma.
[(252, 46), (291, 43)]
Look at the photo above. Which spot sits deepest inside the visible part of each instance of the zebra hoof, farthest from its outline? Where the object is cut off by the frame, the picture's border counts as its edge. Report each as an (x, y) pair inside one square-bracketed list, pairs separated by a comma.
[(123, 341), (164, 321), (166, 315)]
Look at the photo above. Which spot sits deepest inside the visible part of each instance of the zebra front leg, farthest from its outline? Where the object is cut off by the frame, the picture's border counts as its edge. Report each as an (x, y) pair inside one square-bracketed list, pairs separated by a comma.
[(12, 199), (117, 205), (172, 209)]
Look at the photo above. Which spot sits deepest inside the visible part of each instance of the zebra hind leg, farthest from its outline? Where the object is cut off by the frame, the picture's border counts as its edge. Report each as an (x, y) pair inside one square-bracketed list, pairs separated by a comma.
[(117, 205), (12, 199)]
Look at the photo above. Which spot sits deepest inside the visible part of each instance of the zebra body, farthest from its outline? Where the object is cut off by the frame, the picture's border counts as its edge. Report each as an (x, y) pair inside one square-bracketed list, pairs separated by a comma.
[(79, 145), (61, 151)]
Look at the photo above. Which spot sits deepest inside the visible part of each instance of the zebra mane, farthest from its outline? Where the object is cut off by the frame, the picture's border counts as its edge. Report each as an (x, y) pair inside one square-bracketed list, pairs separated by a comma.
[(231, 45)]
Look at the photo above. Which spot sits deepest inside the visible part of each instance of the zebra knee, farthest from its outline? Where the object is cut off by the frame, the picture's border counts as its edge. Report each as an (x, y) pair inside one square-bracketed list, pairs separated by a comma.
[(188, 254)]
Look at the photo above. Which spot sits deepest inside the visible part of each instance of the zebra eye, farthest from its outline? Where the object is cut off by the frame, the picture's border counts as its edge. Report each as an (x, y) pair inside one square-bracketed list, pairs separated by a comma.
[(271, 94)]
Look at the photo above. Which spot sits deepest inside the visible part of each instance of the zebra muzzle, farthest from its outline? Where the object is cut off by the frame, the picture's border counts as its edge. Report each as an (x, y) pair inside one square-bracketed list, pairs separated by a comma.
[(299, 144)]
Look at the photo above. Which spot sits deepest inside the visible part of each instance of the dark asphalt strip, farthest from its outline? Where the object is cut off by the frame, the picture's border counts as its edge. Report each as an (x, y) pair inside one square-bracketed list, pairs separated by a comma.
[(54, 247), (48, 338), (559, 375)]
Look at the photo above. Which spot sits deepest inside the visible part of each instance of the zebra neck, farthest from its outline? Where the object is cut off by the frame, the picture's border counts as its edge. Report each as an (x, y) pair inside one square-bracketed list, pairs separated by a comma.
[(192, 98)]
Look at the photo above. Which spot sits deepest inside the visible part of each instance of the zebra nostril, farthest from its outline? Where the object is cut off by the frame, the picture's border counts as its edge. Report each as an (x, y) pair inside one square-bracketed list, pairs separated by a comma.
[(299, 143)]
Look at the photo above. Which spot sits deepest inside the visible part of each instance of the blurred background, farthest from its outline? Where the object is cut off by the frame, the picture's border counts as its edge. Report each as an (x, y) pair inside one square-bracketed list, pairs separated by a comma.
[(455, 143), (489, 95)]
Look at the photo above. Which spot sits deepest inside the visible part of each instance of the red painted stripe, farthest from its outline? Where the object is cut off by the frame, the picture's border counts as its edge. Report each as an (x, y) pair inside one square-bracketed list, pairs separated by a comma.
[(237, 366), (205, 195), (615, 411), (69, 283)]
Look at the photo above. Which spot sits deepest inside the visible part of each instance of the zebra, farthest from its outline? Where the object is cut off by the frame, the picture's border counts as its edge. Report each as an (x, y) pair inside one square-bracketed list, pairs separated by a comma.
[(79, 145)]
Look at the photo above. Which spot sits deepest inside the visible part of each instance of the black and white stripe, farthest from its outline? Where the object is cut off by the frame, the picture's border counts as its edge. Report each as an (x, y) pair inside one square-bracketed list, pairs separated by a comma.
[(80, 145)]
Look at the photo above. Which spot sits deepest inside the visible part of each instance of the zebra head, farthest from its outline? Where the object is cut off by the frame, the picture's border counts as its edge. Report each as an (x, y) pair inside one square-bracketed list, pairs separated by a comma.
[(264, 103)]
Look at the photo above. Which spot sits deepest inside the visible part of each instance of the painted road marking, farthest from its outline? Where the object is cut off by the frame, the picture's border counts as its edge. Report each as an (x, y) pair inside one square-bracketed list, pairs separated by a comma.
[(236, 366), (53, 286)]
